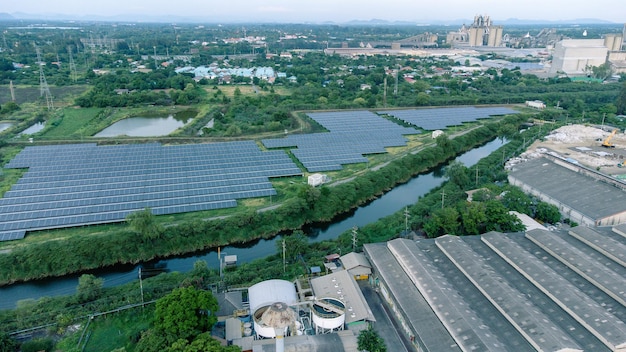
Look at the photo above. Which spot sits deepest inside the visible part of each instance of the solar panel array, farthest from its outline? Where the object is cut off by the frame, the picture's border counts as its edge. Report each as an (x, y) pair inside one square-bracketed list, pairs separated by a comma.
[(352, 134), (81, 184), (440, 118)]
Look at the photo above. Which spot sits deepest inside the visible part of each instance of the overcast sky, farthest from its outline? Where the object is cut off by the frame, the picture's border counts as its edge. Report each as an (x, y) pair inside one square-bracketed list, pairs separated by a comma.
[(331, 10)]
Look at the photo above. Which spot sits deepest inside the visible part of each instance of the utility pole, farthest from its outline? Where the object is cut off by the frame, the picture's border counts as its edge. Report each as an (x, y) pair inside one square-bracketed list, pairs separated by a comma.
[(443, 197), (603, 117), (155, 60), (284, 250), (354, 239), (395, 88), (385, 92), (141, 287), (406, 220), (219, 258), (12, 91), (476, 175)]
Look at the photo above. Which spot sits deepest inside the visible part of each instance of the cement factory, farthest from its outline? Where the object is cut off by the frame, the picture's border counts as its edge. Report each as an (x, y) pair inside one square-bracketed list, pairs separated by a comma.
[(558, 55)]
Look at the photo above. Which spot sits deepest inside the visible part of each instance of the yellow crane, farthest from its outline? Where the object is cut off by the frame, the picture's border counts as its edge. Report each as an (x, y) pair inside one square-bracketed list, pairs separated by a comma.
[(607, 142)]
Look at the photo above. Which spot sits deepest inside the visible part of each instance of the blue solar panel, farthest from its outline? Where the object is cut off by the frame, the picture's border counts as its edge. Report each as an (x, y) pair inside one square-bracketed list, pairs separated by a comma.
[(351, 135), (70, 185), (440, 118)]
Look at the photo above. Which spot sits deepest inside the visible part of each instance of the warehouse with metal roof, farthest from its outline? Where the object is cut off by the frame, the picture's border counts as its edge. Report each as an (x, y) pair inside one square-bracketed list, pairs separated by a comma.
[(538, 290), (581, 194)]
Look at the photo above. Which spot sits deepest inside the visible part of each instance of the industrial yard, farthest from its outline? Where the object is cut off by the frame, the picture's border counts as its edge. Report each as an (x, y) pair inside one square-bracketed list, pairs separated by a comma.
[(583, 144)]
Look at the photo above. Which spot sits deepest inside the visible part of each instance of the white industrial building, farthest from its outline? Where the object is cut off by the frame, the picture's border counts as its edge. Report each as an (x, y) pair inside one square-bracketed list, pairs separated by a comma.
[(575, 56)]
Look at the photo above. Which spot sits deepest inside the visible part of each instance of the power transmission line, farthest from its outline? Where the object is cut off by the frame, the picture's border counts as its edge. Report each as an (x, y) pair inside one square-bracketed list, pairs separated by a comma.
[(44, 90)]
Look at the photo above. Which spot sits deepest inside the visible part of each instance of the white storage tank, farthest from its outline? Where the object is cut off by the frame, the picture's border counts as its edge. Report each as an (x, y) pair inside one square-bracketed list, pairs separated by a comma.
[(328, 314), (263, 295)]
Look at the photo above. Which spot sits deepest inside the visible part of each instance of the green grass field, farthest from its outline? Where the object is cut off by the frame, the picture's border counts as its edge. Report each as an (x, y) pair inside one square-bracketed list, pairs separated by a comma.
[(107, 333), (73, 120)]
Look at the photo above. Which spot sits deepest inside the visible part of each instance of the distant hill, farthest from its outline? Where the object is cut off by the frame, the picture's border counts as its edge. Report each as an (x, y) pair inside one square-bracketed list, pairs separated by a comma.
[(515, 21), (198, 19), (5, 16)]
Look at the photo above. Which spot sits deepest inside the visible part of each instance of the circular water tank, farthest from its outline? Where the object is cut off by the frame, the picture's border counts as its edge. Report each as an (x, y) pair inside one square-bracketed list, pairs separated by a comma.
[(247, 332), (329, 313), (269, 319)]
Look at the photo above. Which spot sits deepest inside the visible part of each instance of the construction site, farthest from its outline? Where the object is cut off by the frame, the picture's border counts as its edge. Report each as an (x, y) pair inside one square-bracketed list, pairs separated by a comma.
[(579, 169), (601, 148)]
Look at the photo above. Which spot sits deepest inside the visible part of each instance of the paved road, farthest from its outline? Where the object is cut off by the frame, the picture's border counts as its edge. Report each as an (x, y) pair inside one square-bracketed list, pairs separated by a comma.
[(385, 326)]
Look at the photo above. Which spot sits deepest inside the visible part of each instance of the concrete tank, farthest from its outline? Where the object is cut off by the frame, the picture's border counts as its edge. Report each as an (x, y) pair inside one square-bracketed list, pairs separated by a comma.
[(328, 313)]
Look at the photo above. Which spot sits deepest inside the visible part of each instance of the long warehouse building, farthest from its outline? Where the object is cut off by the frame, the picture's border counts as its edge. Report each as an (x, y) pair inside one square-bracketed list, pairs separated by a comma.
[(533, 291), (583, 195)]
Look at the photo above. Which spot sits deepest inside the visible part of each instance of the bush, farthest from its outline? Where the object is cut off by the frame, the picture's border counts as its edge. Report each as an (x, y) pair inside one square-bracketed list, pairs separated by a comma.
[(38, 345)]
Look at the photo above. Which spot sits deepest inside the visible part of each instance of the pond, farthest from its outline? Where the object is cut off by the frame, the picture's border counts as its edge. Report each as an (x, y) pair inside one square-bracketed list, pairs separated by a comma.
[(148, 126), (5, 125), (34, 128)]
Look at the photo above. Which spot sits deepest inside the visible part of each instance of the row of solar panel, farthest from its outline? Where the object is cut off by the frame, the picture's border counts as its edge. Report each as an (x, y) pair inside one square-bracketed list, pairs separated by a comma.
[(38, 202), (156, 178), (356, 145), (352, 134), (96, 158), (81, 151), (19, 196), (141, 169), (16, 221), (319, 163), (326, 167), (380, 139), (114, 216), (12, 235), (94, 161), (132, 175), (342, 121), (433, 119), (311, 154)]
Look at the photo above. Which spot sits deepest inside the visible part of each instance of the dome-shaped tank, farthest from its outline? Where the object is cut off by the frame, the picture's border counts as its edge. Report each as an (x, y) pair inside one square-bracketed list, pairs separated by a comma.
[(273, 320), (263, 295), (328, 313), (271, 291)]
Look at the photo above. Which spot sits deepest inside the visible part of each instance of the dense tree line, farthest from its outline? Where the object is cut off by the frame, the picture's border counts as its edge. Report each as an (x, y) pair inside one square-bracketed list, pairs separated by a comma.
[(125, 88)]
